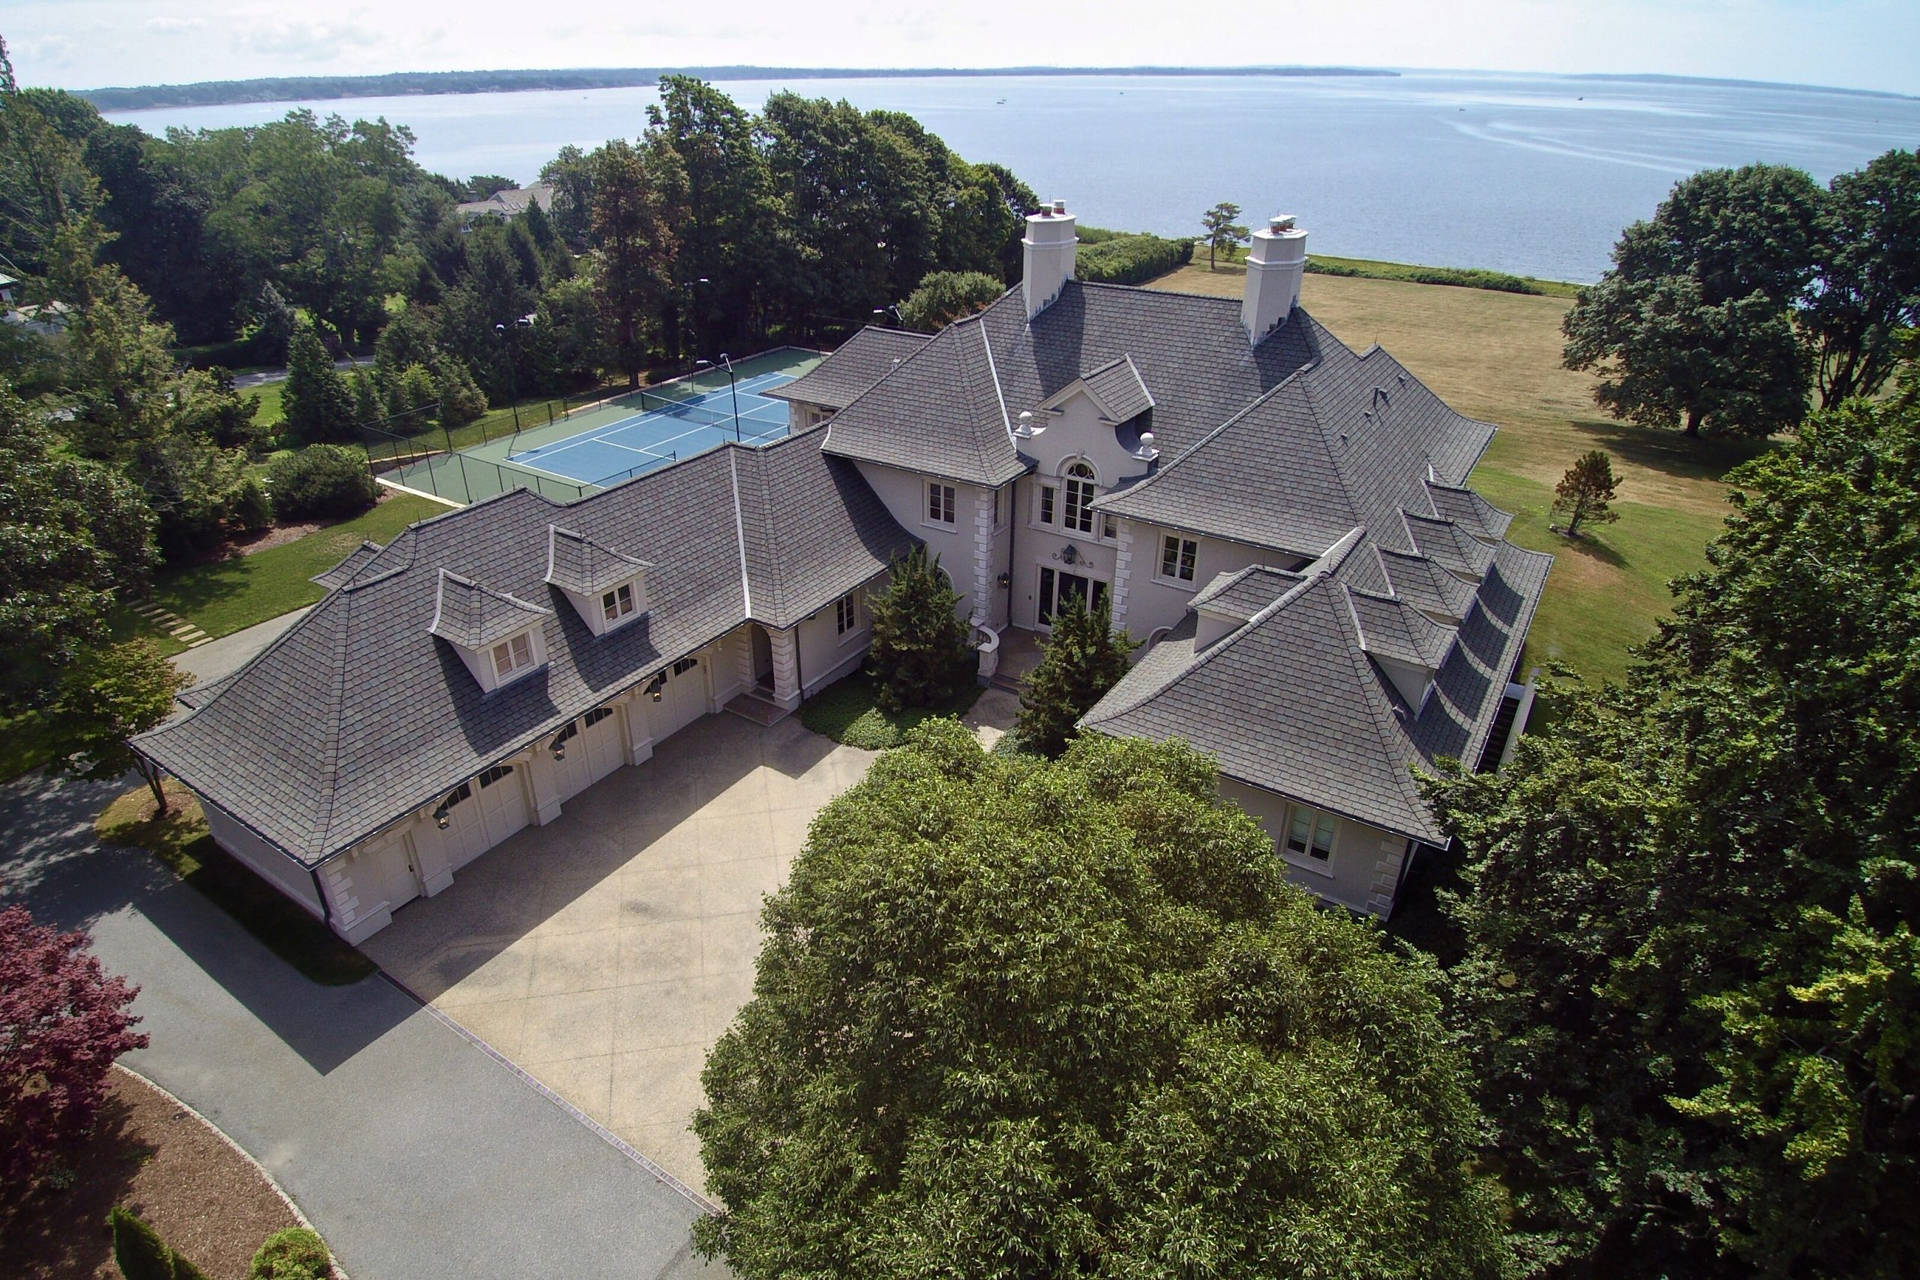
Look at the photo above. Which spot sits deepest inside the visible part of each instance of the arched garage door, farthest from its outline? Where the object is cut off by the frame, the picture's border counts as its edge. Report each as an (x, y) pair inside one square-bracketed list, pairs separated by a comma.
[(593, 750), (483, 812), (683, 699)]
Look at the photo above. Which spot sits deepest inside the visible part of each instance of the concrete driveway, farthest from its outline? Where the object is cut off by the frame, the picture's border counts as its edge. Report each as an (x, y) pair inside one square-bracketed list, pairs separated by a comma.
[(605, 952)]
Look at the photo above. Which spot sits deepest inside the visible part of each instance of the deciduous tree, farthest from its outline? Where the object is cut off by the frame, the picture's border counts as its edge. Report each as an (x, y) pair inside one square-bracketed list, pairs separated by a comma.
[(945, 296), (633, 254), (106, 698), (1693, 323), (1866, 288), (62, 1024), (1021, 1018)]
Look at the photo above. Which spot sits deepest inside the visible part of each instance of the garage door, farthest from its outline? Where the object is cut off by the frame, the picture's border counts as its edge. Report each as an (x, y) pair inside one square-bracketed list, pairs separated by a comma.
[(593, 751), (682, 700), (465, 835), (503, 802)]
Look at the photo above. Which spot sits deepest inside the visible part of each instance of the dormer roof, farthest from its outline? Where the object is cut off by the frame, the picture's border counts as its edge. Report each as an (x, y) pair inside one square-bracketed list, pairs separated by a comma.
[(1468, 510), (1116, 389), (1394, 629), (1448, 545), (473, 617), (1242, 594), (577, 563)]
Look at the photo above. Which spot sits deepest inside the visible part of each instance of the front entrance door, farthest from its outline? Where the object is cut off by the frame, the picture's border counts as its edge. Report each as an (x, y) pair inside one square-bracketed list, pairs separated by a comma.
[(762, 657), (1057, 588)]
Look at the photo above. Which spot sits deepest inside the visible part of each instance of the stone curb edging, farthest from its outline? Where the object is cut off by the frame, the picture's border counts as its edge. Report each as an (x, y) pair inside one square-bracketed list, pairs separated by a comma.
[(612, 1139), (300, 1217)]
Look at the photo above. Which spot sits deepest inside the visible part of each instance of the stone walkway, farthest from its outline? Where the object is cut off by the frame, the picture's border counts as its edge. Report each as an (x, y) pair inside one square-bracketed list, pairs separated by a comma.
[(606, 952)]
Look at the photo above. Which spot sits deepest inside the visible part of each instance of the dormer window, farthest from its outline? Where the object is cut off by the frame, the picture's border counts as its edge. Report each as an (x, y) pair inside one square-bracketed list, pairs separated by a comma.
[(617, 604), (510, 657)]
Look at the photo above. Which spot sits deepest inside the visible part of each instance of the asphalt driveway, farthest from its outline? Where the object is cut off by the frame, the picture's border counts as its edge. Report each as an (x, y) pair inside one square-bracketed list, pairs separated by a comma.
[(605, 952)]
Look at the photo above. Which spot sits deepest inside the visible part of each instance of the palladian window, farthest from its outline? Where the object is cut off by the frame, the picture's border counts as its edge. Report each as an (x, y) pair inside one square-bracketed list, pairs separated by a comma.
[(1081, 489)]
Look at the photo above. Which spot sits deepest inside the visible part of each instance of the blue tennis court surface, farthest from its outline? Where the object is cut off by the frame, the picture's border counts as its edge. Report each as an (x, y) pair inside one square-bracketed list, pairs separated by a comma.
[(665, 429)]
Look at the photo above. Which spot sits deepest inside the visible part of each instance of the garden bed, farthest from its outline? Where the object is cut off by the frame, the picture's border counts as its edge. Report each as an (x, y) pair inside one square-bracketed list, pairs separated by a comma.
[(160, 1160), (849, 712)]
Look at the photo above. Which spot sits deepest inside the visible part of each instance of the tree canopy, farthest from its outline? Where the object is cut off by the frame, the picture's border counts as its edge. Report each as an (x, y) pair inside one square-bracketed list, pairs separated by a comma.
[(945, 296), (1691, 977), (1018, 1018), (1084, 658)]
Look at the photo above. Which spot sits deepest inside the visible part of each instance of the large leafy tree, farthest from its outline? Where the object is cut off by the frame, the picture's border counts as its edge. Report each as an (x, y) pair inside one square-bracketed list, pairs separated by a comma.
[(945, 296), (1019, 1018), (1867, 281), (1693, 324), (634, 196), (73, 535), (109, 696), (1692, 973)]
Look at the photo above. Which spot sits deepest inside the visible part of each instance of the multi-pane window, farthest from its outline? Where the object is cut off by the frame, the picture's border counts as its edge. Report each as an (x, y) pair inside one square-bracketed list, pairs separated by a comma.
[(1046, 504), (845, 615), (495, 774), (617, 604), (998, 505), (1310, 833), (1080, 491), (940, 504), (685, 665), (1177, 556), (512, 655), (595, 716)]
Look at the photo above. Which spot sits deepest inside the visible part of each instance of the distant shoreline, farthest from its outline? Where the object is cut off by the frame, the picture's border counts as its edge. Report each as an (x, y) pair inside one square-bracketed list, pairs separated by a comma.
[(213, 93)]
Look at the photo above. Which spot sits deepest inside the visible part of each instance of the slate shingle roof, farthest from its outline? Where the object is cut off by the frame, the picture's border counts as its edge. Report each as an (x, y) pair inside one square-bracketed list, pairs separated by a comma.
[(1246, 592), (1118, 387), (474, 616), (948, 410), (357, 715), (578, 563), (1312, 718), (1391, 628), (343, 573), (855, 365)]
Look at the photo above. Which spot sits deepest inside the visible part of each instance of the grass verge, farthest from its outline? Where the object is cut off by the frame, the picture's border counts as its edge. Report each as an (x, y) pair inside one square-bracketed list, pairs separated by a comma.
[(849, 712), (180, 839), (26, 742), (1377, 269)]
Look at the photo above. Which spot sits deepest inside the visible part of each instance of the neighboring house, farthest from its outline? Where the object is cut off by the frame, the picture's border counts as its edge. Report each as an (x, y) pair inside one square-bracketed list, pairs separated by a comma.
[(507, 203), (1288, 522)]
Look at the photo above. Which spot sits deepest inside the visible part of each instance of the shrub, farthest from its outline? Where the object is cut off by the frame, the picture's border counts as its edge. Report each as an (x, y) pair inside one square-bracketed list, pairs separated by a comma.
[(461, 401), (252, 508), (323, 480), (293, 1254), (142, 1254), (1084, 658), (1131, 259), (946, 296), (62, 1023)]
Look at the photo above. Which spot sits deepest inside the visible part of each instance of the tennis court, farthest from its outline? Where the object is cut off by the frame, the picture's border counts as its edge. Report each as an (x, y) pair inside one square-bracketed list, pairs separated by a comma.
[(659, 427), (603, 444)]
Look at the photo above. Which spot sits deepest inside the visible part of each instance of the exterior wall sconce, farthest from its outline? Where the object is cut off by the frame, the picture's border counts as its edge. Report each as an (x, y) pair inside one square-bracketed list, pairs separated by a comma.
[(559, 748), (1004, 581), (1069, 554), (441, 818), (656, 685)]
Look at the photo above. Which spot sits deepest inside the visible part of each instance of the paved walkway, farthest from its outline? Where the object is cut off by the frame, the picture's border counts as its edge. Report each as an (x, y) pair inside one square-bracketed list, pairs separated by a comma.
[(415, 1153), (606, 951)]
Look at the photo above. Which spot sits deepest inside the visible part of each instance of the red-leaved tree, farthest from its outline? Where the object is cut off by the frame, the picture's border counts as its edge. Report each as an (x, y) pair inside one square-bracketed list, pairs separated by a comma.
[(62, 1023)]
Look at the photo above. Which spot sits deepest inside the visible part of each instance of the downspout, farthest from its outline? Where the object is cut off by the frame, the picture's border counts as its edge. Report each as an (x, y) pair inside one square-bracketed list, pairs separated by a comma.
[(326, 906), (1013, 527)]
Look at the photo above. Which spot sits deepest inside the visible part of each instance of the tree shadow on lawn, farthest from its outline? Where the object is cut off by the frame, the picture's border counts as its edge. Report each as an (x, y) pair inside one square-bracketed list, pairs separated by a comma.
[(1670, 453), (1590, 546)]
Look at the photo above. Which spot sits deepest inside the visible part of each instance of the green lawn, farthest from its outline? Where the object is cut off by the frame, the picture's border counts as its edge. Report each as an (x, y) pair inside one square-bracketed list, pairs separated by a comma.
[(270, 403), (1496, 357), (849, 713), (230, 595)]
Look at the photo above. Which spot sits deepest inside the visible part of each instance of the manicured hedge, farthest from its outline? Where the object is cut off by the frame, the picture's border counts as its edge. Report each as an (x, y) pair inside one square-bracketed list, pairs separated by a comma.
[(1462, 277), (1127, 259), (321, 480), (293, 1254)]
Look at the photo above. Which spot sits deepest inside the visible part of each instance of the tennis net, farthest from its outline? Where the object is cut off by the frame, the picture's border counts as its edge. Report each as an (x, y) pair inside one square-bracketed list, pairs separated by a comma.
[(681, 409)]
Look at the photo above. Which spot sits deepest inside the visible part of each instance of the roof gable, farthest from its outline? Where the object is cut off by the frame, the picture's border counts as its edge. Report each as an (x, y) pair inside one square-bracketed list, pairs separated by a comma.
[(473, 616), (575, 562)]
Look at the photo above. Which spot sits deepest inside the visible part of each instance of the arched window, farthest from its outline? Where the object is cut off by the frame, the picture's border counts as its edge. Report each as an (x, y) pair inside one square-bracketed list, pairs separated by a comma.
[(1080, 488)]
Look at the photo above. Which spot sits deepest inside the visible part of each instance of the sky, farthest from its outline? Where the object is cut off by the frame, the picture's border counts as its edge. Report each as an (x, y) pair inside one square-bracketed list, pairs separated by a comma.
[(84, 44)]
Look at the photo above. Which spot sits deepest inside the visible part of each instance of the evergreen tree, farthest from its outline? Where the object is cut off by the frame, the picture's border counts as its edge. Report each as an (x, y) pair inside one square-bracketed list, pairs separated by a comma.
[(634, 253), (140, 1252), (1585, 492), (1083, 659), (1691, 976), (945, 296), (1223, 232), (920, 654), (317, 402)]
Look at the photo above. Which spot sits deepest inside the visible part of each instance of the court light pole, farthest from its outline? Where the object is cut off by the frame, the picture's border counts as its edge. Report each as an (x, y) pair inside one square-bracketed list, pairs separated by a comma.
[(731, 388)]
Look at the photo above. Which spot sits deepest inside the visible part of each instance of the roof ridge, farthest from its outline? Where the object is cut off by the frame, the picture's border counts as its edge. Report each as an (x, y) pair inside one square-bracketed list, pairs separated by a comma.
[(999, 393), (740, 534), (330, 766)]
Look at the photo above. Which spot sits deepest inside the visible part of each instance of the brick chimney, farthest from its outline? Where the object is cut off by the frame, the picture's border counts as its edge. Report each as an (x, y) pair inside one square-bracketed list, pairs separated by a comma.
[(1275, 266), (1048, 259)]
